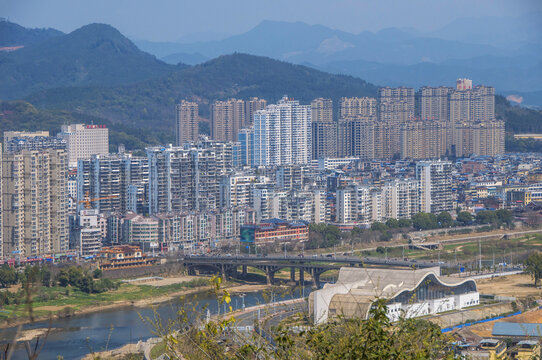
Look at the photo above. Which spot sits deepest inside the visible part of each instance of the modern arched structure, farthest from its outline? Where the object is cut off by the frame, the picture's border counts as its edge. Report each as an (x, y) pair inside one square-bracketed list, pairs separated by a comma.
[(409, 292)]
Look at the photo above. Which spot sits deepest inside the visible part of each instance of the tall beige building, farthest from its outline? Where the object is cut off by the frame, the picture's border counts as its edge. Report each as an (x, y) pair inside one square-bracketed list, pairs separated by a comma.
[(35, 203), (423, 139), (251, 106), (396, 105), (387, 139), (324, 129), (84, 141), (227, 118), (364, 106), (432, 103), (186, 124), (472, 105), (481, 138)]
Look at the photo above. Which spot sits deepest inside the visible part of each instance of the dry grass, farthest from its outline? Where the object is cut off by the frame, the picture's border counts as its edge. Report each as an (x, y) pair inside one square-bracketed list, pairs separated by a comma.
[(518, 286)]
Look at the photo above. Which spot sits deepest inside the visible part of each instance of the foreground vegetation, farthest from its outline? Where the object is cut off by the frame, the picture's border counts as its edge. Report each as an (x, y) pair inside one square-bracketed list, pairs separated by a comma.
[(192, 337)]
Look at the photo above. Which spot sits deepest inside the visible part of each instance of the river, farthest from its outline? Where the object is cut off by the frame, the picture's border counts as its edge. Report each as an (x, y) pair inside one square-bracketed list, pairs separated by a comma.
[(74, 337)]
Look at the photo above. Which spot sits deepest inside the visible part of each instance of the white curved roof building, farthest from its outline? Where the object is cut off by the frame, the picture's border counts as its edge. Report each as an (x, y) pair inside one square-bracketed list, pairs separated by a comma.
[(410, 292)]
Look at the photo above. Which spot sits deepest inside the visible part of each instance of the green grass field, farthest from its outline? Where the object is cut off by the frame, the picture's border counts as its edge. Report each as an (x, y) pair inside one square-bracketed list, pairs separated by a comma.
[(74, 299)]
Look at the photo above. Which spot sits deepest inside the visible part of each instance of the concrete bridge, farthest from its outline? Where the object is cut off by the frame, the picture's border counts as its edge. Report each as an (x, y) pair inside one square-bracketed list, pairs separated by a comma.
[(228, 266)]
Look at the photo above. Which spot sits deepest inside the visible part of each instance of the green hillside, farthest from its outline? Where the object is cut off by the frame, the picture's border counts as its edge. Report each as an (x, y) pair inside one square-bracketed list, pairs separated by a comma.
[(151, 103), (21, 115), (12, 34), (95, 54)]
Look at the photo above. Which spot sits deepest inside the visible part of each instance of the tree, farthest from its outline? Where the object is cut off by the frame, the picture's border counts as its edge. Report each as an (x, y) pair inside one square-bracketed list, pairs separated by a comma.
[(87, 284), (464, 218), (392, 223), (8, 276), (504, 216), (404, 223), (533, 266), (486, 217), (63, 278), (378, 226), (444, 219), (97, 273), (424, 221)]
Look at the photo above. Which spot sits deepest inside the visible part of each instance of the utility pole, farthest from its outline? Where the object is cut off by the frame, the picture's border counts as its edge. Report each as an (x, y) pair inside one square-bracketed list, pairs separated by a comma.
[(493, 260), (480, 254)]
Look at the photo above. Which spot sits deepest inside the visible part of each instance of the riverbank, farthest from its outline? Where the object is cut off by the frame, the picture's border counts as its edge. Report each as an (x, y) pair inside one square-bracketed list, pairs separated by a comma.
[(65, 302)]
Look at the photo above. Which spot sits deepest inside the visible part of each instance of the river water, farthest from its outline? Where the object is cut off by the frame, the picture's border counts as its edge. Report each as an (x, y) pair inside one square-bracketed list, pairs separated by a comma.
[(74, 337)]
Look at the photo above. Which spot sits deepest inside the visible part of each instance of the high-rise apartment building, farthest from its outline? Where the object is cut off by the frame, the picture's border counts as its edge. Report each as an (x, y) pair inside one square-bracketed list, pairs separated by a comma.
[(396, 105), (424, 139), (84, 141), (35, 202), (356, 136), (432, 103), (435, 181), (119, 181), (246, 144), (480, 138), (282, 134), (472, 104), (354, 107), (227, 118), (251, 106), (402, 200), (236, 190), (324, 129), (186, 123), (182, 179), (360, 204)]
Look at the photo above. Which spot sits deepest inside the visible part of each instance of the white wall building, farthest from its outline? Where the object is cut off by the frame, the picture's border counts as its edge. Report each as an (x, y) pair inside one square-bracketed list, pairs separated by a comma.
[(435, 179), (282, 134), (85, 141)]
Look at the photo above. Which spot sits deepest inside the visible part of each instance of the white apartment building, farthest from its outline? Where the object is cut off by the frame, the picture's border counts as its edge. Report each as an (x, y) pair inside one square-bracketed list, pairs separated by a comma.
[(359, 205), (402, 199), (85, 141), (435, 182), (282, 134), (235, 190)]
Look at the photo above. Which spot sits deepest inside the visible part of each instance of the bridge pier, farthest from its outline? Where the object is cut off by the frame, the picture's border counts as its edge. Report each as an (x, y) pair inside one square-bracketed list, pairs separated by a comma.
[(270, 275), (315, 278), (292, 275), (301, 276), (224, 273), (244, 270)]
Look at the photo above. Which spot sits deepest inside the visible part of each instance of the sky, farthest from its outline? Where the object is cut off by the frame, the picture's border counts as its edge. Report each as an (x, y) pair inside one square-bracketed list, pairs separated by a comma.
[(188, 20)]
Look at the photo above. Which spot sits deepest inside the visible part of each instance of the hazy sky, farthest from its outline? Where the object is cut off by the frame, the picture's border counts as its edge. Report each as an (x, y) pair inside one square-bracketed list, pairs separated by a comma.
[(170, 20)]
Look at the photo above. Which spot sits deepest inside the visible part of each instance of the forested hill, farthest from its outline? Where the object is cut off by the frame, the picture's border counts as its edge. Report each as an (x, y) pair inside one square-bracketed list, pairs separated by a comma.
[(95, 54), (12, 34), (151, 103)]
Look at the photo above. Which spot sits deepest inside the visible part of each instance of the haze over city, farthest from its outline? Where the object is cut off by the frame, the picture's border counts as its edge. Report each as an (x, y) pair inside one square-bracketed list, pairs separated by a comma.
[(188, 21), (270, 179)]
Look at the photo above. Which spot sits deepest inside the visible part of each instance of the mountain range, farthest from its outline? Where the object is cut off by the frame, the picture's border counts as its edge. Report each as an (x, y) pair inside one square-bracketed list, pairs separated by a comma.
[(96, 74), (505, 53), (95, 54)]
